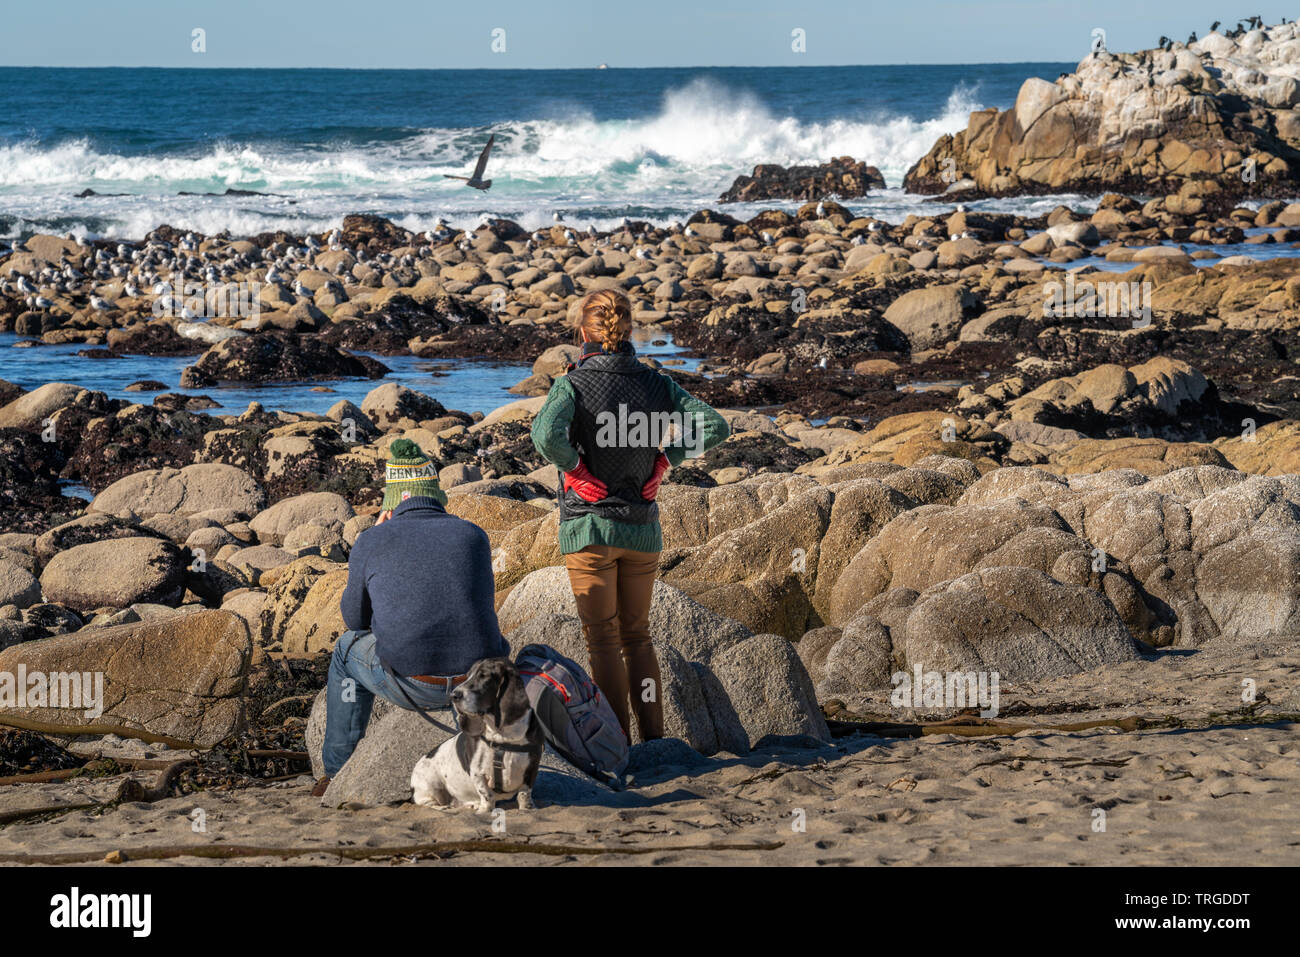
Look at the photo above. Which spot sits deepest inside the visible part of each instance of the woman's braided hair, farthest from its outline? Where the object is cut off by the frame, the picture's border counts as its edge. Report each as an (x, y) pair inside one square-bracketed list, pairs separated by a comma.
[(606, 317)]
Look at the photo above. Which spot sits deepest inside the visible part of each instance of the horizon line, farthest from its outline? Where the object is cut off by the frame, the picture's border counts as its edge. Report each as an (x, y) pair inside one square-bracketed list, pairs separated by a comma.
[(485, 69)]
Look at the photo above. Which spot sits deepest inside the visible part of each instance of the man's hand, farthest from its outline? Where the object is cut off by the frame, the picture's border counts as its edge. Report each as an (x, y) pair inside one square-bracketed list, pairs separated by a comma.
[(651, 487), (585, 485), (384, 516)]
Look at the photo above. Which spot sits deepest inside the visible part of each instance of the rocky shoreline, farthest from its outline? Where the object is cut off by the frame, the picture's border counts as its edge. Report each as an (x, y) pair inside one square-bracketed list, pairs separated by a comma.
[(954, 448), (1211, 120)]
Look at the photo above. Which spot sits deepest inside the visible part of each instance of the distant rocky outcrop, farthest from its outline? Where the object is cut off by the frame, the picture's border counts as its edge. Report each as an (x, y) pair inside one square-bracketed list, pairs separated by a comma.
[(375, 232), (270, 357), (843, 177), (1218, 112)]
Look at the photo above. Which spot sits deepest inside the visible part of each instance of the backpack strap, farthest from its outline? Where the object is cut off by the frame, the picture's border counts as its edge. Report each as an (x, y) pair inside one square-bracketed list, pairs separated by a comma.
[(558, 686)]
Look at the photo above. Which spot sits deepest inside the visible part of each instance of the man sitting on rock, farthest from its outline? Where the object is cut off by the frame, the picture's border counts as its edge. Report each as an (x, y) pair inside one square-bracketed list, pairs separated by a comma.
[(418, 603)]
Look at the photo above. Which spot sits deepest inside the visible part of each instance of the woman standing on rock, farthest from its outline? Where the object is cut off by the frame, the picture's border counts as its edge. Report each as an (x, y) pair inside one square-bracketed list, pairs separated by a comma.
[(613, 426)]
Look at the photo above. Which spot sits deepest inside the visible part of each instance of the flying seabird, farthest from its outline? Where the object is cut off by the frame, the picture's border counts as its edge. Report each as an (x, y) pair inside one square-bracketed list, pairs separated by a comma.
[(477, 180)]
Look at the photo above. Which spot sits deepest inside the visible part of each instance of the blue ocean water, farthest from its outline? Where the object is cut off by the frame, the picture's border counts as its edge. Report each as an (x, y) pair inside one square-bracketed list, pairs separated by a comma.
[(467, 385), (600, 145)]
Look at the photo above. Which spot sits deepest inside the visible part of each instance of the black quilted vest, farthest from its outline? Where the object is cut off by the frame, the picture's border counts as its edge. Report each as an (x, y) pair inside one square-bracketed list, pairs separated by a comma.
[(603, 383)]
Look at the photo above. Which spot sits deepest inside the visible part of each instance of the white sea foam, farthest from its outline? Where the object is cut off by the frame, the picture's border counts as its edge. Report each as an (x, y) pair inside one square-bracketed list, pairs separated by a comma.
[(659, 167)]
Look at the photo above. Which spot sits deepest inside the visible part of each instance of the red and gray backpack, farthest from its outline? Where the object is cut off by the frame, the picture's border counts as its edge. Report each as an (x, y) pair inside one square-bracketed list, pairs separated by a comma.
[(575, 717)]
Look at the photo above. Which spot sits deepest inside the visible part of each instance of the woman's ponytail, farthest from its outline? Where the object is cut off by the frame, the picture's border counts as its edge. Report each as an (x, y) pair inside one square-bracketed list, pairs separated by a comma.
[(606, 317)]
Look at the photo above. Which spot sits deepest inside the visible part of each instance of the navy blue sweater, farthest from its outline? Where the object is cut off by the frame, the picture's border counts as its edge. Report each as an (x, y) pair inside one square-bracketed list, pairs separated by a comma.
[(422, 582)]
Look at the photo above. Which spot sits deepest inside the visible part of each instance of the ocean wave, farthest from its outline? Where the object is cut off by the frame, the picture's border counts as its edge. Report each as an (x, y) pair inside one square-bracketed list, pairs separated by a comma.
[(672, 160), (702, 126), (707, 127)]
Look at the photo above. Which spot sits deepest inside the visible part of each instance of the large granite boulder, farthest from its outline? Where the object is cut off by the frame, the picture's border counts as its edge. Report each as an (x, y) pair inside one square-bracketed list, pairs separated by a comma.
[(300, 616), (115, 573), (31, 409), (1015, 621), (326, 509), (675, 619), (379, 771), (195, 488), (18, 586), (769, 689), (932, 315), (179, 679)]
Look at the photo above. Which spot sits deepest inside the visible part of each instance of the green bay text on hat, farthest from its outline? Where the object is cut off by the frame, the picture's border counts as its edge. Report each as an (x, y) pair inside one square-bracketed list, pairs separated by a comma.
[(409, 474)]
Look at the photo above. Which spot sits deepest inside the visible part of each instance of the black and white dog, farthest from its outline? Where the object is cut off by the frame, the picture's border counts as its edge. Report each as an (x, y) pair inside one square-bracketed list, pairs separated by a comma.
[(497, 752)]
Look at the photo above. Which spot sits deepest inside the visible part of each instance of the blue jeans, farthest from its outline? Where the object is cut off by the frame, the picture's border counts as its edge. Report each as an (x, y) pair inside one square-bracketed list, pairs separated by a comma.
[(355, 677)]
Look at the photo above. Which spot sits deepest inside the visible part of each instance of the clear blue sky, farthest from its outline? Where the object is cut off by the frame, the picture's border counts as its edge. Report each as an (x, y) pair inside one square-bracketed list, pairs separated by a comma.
[(576, 33)]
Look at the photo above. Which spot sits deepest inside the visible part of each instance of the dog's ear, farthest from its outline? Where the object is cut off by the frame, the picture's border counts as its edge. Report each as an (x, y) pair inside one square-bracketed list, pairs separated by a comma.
[(513, 703)]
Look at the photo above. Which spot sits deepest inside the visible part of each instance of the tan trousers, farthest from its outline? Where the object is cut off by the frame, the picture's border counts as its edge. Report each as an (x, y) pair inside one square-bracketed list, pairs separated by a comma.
[(613, 587)]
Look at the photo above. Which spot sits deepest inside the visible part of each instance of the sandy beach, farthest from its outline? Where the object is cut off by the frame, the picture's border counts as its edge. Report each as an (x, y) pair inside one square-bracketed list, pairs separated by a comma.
[(1204, 784)]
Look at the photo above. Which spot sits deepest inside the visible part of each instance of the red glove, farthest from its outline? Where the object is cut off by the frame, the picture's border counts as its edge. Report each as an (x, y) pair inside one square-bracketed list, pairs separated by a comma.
[(585, 485), (651, 488)]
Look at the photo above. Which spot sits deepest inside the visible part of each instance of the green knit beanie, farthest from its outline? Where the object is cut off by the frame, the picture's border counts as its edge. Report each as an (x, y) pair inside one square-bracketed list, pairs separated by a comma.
[(409, 473)]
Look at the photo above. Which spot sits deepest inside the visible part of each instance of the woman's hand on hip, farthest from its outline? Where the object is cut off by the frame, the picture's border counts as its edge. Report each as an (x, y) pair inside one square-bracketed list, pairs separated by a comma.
[(584, 485), (651, 487)]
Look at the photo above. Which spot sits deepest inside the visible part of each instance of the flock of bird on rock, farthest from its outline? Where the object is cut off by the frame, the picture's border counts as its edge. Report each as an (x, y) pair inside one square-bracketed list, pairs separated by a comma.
[(1243, 27)]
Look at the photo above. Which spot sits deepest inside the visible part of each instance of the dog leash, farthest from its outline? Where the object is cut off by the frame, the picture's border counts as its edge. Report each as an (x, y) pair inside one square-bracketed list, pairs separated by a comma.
[(396, 682), (423, 713), (499, 748)]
